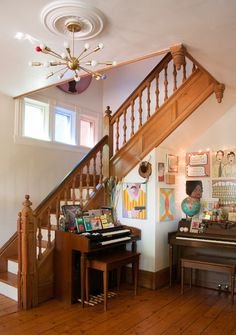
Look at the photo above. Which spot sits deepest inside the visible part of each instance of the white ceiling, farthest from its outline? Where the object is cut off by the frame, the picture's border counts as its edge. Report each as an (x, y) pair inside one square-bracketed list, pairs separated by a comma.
[(133, 28)]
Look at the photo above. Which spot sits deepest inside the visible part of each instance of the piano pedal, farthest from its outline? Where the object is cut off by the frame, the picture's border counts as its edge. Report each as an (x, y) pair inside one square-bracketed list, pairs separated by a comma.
[(97, 299)]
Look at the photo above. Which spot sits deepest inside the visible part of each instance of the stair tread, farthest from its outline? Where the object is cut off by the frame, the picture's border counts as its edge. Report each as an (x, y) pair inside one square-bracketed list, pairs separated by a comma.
[(13, 258), (8, 278)]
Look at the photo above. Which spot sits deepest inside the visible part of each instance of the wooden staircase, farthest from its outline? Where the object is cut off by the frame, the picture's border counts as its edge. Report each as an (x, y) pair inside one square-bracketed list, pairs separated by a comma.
[(165, 98)]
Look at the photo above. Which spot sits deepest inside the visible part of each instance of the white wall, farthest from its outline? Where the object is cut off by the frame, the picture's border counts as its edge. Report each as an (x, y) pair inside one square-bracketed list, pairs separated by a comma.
[(147, 244), (121, 81), (33, 170)]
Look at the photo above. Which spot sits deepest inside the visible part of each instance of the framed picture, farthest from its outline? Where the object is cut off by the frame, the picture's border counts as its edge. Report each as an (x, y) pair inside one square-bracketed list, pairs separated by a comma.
[(197, 164), (134, 200), (167, 204), (71, 212), (172, 162), (195, 226), (161, 172)]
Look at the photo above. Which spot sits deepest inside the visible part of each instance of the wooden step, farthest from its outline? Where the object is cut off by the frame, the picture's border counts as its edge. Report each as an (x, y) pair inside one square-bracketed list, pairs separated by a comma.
[(12, 264), (13, 258), (8, 278)]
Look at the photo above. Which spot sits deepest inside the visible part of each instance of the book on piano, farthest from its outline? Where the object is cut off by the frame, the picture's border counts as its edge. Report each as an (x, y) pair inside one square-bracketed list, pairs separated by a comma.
[(107, 221), (80, 224)]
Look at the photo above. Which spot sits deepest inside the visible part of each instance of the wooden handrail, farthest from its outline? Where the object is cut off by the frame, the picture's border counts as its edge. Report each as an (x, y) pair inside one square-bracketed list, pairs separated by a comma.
[(81, 163), (8, 243)]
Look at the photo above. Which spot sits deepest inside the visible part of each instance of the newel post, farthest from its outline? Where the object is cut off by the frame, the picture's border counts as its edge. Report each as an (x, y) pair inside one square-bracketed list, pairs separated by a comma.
[(27, 256), (178, 55), (107, 130)]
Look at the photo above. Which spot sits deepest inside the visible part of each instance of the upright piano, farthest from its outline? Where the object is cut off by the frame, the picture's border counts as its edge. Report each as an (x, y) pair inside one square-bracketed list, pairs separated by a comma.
[(220, 236), (69, 246)]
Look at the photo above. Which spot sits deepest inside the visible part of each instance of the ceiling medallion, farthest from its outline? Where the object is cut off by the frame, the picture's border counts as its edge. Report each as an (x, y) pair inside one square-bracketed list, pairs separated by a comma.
[(55, 15)]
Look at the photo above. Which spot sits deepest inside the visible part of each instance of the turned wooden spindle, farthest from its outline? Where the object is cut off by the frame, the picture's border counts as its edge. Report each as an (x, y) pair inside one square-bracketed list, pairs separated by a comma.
[(140, 110), (165, 83), (81, 187), (174, 78), (94, 172), (100, 167), (132, 118), (87, 181), (124, 127), (117, 134), (157, 91), (148, 100)]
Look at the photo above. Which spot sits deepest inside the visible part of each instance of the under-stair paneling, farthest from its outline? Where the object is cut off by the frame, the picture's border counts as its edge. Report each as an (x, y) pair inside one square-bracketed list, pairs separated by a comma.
[(173, 112)]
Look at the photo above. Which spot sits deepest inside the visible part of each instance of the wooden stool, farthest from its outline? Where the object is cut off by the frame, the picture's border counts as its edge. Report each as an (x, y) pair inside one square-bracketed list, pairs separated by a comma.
[(209, 263), (109, 262)]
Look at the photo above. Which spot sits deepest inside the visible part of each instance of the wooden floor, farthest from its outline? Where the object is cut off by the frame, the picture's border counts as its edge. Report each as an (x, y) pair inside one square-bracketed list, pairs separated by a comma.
[(165, 311)]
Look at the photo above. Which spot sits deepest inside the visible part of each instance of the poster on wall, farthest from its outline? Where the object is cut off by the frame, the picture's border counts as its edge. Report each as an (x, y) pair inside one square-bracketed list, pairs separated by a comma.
[(134, 200), (224, 163), (172, 163), (161, 172), (225, 190), (197, 164), (167, 204)]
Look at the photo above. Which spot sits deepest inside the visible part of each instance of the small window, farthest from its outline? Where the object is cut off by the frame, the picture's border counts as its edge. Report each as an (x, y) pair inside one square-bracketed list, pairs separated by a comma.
[(64, 130), (36, 119), (87, 133)]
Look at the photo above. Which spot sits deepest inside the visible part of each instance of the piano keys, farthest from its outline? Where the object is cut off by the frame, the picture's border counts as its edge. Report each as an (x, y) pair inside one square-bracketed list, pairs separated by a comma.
[(213, 235)]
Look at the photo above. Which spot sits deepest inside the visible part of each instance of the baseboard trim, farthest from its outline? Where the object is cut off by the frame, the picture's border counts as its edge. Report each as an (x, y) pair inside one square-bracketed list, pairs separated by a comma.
[(151, 280)]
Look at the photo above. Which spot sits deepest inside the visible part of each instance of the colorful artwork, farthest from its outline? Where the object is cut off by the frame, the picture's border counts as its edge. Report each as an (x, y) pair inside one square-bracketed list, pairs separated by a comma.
[(172, 162), (167, 202), (197, 164), (224, 164), (161, 172), (134, 200)]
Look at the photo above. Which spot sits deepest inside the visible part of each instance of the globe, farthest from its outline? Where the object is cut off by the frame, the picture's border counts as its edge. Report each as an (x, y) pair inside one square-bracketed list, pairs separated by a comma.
[(190, 206)]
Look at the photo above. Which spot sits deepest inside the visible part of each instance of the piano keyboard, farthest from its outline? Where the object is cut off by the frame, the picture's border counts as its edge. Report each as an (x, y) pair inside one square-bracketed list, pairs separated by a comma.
[(125, 238), (114, 232), (205, 240)]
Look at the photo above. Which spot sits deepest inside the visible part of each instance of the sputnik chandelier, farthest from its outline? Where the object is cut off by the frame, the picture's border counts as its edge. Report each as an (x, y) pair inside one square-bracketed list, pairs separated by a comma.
[(67, 61)]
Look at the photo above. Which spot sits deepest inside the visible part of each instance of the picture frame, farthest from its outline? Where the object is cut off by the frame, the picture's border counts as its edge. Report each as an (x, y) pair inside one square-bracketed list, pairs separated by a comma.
[(172, 163), (197, 164), (70, 212), (195, 225)]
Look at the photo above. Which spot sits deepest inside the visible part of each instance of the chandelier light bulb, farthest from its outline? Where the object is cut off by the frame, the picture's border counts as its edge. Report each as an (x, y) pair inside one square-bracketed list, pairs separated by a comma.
[(66, 44), (114, 63), (76, 78), (86, 46), (94, 63), (100, 45), (63, 55), (42, 46)]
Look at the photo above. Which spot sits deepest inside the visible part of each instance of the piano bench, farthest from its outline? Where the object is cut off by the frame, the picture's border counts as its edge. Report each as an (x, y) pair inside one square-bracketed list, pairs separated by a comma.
[(209, 263), (109, 262)]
